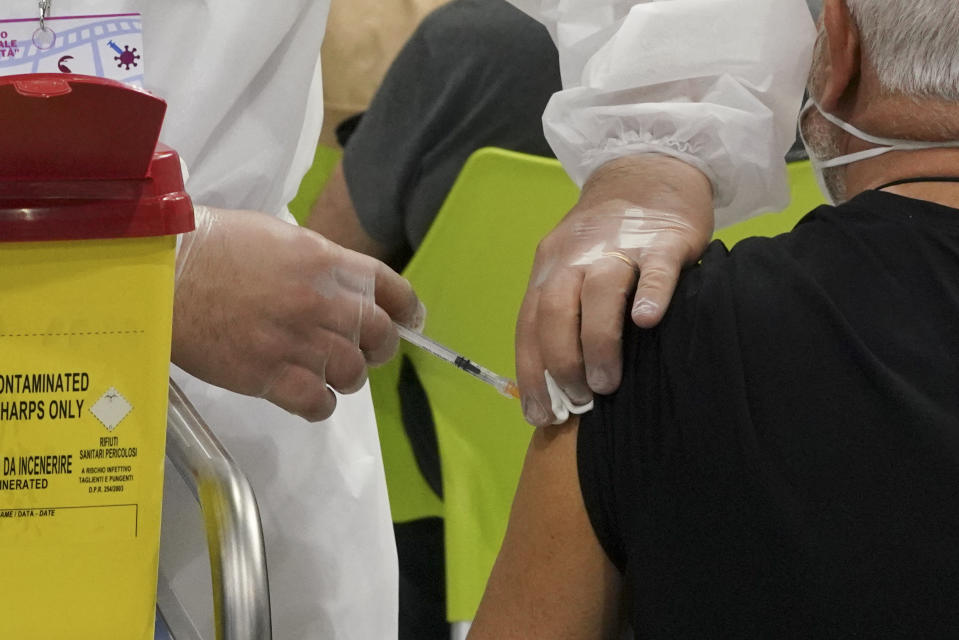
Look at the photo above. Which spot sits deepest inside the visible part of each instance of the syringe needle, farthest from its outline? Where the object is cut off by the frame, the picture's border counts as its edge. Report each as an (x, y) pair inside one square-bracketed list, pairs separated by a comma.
[(502, 384)]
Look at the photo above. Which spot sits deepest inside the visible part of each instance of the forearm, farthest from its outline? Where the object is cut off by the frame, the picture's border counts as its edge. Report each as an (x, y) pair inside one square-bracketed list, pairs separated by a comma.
[(652, 181), (727, 105)]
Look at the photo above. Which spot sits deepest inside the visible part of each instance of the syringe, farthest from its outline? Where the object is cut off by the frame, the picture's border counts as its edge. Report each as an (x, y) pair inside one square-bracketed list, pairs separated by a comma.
[(504, 385)]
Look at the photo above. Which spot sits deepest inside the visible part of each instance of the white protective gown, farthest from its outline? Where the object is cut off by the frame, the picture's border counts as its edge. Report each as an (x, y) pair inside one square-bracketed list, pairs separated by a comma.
[(716, 83), (243, 86)]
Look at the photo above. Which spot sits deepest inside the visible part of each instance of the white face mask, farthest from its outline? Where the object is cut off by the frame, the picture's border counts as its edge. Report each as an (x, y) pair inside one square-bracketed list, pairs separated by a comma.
[(885, 146)]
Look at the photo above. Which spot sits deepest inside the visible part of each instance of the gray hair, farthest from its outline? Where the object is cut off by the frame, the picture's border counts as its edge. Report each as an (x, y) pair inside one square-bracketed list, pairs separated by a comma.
[(914, 44)]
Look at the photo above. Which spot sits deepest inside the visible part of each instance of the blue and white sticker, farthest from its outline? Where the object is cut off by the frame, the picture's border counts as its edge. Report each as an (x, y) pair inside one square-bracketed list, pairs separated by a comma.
[(106, 46)]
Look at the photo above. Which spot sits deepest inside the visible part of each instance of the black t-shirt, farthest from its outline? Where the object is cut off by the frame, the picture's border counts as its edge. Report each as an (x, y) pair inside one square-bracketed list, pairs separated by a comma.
[(782, 459)]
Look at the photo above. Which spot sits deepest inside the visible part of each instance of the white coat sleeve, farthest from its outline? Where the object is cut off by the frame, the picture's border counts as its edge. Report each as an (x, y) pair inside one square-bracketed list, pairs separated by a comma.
[(715, 83)]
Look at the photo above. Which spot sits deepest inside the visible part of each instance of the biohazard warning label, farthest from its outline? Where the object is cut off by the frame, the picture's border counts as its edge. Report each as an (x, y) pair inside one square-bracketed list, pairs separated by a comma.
[(28, 399), (66, 469)]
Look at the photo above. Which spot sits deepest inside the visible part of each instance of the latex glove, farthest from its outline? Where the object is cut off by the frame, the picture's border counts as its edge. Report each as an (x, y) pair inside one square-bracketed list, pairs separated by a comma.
[(638, 222), (269, 309)]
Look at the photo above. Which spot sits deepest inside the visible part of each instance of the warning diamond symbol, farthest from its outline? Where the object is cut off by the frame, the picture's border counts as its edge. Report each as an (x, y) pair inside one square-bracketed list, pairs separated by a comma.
[(111, 408)]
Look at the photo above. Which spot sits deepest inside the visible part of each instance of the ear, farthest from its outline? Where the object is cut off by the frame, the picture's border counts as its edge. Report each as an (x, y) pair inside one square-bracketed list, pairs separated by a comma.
[(843, 66)]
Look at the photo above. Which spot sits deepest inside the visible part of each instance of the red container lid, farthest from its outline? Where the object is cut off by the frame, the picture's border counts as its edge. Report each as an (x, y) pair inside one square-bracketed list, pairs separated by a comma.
[(79, 160)]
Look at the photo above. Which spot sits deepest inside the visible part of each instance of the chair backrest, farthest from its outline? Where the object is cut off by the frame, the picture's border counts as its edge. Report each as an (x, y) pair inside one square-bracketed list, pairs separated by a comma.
[(324, 161), (471, 272), (804, 197)]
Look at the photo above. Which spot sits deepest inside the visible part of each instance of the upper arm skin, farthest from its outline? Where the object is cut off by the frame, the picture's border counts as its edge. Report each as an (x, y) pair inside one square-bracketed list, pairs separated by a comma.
[(552, 579), (334, 217)]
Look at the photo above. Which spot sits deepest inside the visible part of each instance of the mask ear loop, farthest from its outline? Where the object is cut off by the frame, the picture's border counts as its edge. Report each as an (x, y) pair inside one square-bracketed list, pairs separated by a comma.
[(885, 144), (856, 157)]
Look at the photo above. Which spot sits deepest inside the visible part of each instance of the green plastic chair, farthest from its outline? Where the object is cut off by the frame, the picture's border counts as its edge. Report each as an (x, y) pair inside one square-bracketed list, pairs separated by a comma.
[(324, 161), (471, 272), (804, 197), (410, 496)]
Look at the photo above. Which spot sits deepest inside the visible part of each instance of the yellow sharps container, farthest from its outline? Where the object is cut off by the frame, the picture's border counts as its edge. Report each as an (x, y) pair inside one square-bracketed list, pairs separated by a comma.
[(89, 210)]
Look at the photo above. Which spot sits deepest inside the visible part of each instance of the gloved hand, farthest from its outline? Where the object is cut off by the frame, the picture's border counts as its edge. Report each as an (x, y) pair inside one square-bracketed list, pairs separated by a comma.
[(269, 309), (638, 222)]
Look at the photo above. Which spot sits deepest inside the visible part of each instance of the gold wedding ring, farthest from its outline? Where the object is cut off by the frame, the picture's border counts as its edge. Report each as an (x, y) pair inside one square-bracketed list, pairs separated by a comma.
[(619, 255)]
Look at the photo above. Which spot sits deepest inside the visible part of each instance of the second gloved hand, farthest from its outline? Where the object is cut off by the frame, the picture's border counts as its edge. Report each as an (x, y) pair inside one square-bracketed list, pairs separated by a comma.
[(638, 222), (269, 309)]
